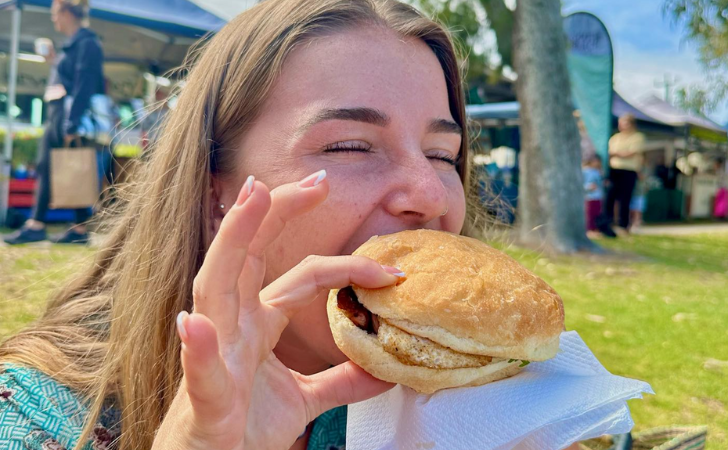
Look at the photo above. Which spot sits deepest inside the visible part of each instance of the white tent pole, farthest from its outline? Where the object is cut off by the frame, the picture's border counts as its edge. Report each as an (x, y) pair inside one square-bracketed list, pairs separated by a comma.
[(12, 86)]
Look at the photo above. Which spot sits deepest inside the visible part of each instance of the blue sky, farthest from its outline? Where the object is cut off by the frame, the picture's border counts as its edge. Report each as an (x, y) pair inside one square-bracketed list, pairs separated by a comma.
[(647, 47)]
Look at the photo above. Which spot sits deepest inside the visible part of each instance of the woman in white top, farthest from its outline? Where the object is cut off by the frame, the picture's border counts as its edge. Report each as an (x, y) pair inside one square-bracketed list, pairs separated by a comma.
[(625, 162)]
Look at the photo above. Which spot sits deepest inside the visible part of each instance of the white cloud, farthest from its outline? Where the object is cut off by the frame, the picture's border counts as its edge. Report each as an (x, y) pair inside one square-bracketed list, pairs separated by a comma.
[(647, 48)]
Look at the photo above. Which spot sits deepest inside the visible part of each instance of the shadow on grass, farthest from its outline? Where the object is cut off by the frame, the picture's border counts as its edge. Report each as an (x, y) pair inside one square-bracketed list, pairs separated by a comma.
[(705, 252)]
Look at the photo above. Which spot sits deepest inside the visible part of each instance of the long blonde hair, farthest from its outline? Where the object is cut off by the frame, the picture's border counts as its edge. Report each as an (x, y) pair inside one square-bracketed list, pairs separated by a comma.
[(110, 334)]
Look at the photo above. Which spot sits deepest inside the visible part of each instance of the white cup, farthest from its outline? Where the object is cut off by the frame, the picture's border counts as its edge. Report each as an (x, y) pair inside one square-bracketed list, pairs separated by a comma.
[(43, 47)]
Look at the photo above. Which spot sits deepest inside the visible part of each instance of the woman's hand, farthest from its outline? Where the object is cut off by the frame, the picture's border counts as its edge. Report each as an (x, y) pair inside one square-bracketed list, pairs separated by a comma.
[(235, 394)]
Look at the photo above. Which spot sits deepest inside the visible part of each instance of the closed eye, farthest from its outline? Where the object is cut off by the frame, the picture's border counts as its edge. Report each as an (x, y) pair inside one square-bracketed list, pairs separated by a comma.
[(444, 157), (347, 146)]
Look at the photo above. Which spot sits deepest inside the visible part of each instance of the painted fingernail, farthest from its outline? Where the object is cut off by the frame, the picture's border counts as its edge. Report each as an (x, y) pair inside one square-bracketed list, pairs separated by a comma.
[(181, 325), (246, 190), (313, 180), (396, 271)]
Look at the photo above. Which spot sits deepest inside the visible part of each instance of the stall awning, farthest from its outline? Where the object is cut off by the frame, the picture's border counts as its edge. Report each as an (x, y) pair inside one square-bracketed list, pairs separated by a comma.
[(503, 111), (648, 109), (655, 110), (178, 17), (226, 9)]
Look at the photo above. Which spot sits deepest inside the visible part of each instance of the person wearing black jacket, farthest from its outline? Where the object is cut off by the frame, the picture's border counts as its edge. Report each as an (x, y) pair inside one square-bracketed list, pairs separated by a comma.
[(76, 75)]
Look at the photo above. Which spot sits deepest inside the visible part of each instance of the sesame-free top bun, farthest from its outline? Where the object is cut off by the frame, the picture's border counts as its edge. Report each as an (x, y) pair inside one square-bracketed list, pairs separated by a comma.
[(464, 295)]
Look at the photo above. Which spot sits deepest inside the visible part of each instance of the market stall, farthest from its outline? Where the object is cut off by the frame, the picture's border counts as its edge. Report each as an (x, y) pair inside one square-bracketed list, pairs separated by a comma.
[(139, 37), (685, 153)]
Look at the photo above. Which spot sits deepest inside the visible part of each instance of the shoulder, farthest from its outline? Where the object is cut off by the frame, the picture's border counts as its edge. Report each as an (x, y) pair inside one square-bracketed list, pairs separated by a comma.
[(36, 412), (89, 41)]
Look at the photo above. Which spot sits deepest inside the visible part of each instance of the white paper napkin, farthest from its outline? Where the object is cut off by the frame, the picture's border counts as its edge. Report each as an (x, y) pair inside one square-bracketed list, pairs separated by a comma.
[(547, 406)]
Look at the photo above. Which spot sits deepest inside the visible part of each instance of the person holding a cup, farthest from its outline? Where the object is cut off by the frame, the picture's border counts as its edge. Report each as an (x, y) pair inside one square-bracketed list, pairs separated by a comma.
[(76, 75)]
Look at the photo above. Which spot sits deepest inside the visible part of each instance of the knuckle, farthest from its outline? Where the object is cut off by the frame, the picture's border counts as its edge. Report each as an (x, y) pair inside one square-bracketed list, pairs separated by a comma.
[(198, 291), (359, 264), (310, 262)]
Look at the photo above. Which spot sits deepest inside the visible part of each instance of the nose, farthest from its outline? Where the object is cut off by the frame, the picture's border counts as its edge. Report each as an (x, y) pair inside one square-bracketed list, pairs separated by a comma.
[(415, 193)]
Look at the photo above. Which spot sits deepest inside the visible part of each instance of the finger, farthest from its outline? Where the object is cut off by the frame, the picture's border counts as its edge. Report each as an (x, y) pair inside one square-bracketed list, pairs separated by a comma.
[(216, 285), (341, 385), (315, 274), (287, 202), (207, 379)]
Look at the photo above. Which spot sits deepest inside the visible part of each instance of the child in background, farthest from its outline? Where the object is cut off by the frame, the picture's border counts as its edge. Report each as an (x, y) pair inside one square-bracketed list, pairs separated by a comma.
[(593, 193)]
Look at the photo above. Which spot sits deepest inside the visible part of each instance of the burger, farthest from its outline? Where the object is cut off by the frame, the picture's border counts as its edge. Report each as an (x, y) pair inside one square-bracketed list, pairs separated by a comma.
[(464, 315)]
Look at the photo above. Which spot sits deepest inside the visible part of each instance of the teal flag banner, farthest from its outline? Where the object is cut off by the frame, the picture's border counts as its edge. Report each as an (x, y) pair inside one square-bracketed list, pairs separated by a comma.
[(591, 69)]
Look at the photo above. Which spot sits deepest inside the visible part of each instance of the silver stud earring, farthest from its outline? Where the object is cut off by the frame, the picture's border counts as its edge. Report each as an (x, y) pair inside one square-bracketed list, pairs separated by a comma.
[(222, 206)]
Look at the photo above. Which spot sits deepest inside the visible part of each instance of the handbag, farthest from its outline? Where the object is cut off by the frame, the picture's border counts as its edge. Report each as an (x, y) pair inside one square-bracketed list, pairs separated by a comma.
[(74, 177)]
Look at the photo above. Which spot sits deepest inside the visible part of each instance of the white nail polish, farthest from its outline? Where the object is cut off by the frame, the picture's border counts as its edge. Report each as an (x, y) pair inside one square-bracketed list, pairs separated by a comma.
[(249, 184), (320, 177), (181, 324)]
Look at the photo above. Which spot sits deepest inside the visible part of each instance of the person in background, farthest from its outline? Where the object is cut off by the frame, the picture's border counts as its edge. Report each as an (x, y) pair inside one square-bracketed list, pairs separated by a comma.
[(625, 162), (587, 146), (593, 193), (76, 75), (720, 204), (637, 204)]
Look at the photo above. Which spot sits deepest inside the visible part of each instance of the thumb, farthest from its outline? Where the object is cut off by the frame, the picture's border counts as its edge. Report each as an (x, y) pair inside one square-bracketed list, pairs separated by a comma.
[(341, 385)]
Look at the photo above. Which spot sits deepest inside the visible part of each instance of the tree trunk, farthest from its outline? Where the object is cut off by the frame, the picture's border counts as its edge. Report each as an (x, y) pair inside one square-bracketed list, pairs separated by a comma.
[(551, 194)]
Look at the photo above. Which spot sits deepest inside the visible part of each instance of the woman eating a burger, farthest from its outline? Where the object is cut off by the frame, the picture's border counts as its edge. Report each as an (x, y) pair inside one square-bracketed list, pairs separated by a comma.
[(304, 128)]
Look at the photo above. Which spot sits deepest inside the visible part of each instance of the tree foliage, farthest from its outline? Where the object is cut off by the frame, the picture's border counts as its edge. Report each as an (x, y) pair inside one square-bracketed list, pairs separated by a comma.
[(470, 21), (706, 25), (697, 99)]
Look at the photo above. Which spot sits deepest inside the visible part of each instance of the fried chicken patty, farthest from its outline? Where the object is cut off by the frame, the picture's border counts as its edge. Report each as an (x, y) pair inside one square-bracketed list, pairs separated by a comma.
[(419, 351), (409, 349)]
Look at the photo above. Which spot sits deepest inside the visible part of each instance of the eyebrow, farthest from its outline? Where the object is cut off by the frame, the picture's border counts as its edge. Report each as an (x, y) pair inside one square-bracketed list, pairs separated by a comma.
[(444, 126), (374, 117)]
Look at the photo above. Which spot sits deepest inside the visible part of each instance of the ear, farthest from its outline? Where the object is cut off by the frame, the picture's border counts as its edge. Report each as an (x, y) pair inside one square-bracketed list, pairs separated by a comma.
[(218, 207)]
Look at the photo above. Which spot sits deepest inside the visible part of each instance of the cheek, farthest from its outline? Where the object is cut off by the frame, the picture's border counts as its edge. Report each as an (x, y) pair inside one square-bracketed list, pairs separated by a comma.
[(327, 229), (457, 205)]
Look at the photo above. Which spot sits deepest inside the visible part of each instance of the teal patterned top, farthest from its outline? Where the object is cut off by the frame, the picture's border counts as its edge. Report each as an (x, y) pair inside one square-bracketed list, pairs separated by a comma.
[(37, 413), (329, 431)]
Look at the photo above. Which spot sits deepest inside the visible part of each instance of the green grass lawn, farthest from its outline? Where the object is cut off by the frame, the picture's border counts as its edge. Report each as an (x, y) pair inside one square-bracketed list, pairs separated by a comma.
[(655, 311), (661, 317)]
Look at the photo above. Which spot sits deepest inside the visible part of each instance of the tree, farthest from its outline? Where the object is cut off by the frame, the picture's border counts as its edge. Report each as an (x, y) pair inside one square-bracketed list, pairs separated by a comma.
[(469, 21), (551, 205), (706, 25), (695, 98), (501, 21)]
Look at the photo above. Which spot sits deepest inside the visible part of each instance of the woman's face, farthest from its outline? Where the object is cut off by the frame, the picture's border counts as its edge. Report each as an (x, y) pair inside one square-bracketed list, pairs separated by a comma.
[(59, 17), (371, 108)]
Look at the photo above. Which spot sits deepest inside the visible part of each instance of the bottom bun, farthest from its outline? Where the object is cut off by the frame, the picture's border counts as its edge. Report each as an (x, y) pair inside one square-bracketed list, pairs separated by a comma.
[(365, 350)]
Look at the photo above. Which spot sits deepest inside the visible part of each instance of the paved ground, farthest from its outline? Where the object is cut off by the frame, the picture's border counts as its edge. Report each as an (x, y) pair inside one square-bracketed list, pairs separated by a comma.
[(683, 229)]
